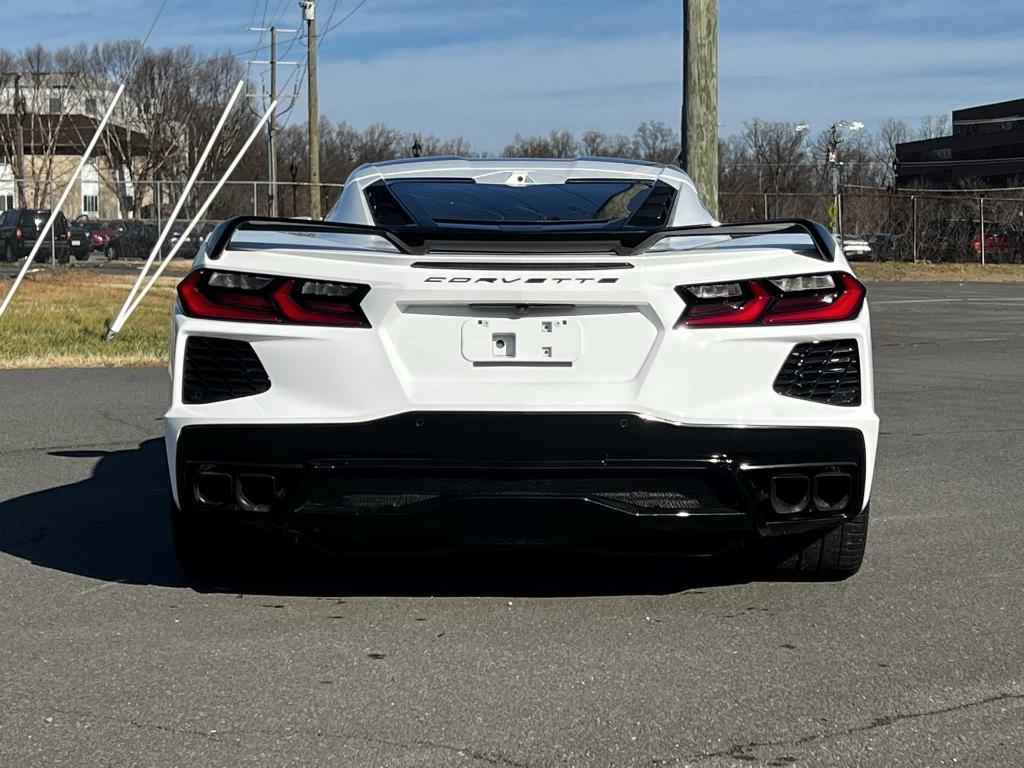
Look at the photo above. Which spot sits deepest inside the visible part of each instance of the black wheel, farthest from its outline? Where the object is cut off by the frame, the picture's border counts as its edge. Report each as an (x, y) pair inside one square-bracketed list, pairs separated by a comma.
[(202, 547), (835, 555), (110, 253), (208, 547), (9, 254)]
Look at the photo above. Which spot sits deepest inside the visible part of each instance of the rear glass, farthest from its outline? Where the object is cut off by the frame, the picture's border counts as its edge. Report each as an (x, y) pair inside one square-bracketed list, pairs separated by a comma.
[(462, 202)]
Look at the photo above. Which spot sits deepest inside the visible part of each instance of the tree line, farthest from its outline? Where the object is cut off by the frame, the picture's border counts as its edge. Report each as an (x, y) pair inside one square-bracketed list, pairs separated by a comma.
[(174, 97)]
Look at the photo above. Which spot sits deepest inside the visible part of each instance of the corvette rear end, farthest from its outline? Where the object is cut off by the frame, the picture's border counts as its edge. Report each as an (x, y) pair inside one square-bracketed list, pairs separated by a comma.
[(630, 376)]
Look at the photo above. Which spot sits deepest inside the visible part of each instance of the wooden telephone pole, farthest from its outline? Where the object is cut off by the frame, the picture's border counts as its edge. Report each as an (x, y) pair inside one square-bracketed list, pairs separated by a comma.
[(309, 15), (699, 155)]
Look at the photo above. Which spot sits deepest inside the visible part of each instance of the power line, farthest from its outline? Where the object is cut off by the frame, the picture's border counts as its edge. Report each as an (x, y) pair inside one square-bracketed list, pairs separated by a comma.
[(343, 19)]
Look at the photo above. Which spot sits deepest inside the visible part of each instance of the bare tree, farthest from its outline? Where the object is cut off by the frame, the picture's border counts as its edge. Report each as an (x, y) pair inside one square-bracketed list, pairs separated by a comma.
[(657, 142), (598, 144), (933, 126)]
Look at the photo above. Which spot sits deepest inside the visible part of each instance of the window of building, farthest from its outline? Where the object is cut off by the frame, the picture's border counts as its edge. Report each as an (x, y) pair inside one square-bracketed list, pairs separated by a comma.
[(90, 105), (6, 187), (56, 104), (91, 190)]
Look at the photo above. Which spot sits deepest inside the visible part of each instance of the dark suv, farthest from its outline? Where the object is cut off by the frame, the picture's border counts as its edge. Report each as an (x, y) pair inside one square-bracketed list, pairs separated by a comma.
[(19, 228)]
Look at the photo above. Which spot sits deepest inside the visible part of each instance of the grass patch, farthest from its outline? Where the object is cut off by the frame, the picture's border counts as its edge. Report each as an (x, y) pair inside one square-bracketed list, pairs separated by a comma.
[(896, 271), (57, 319)]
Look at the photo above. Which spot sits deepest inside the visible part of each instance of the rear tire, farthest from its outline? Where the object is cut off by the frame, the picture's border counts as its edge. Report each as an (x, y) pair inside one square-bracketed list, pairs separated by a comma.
[(834, 555), (208, 547), (202, 547), (9, 254)]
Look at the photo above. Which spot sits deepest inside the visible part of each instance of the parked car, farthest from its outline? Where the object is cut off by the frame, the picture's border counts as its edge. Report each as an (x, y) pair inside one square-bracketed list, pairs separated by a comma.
[(885, 246), (856, 248), (19, 228), (405, 397), (1002, 245), (131, 240), (100, 232), (134, 239), (81, 241)]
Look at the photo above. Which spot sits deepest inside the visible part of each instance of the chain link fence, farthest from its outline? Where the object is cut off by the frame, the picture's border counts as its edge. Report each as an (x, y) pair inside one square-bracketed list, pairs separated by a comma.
[(152, 201), (903, 226)]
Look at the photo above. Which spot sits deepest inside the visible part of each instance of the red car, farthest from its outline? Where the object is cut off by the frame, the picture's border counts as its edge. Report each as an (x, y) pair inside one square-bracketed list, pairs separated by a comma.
[(100, 232), (1001, 244)]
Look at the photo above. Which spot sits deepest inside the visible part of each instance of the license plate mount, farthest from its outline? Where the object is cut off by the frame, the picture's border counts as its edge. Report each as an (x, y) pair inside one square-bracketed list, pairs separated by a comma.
[(535, 341)]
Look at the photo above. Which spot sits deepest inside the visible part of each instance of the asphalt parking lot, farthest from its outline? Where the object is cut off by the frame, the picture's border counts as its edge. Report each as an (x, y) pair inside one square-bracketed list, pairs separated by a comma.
[(109, 658)]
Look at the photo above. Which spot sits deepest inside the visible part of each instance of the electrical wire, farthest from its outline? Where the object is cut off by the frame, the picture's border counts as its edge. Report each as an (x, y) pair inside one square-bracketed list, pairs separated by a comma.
[(340, 21)]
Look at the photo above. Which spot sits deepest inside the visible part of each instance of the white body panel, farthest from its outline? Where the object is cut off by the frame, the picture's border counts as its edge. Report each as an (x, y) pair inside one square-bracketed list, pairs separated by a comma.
[(624, 352)]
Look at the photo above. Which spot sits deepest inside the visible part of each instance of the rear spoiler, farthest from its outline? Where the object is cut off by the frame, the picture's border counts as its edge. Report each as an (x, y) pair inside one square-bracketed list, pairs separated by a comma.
[(416, 241)]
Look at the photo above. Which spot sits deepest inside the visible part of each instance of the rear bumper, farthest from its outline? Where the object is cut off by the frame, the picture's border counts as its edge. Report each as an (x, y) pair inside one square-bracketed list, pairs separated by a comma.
[(516, 476)]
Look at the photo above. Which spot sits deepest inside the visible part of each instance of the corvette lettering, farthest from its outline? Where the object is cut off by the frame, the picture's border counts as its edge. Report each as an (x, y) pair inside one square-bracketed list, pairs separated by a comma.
[(524, 280)]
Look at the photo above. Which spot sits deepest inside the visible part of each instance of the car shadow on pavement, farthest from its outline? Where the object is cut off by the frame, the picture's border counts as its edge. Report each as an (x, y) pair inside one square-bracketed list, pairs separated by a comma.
[(114, 526)]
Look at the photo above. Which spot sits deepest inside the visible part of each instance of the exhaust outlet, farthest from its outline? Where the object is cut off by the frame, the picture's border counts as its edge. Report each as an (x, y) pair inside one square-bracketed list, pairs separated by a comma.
[(832, 491), (790, 494), (255, 493), (213, 489)]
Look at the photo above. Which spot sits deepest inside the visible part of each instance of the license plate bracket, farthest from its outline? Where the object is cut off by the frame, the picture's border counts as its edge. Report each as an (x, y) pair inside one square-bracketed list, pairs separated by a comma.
[(497, 341)]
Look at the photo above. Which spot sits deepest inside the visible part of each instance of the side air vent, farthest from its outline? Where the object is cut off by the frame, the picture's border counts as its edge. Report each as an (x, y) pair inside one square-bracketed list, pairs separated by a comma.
[(654, 210), (221, 369), (822, 371), (386, 210)]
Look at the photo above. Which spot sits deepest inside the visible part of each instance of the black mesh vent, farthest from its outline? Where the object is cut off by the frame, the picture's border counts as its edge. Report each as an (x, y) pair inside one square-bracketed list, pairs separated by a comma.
[(639, 495), (384, 207), (654, 210), (823, 371), (221, 369)]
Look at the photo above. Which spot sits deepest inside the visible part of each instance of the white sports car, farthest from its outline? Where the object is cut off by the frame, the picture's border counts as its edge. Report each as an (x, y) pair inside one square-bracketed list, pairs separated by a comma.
[(522, 352)]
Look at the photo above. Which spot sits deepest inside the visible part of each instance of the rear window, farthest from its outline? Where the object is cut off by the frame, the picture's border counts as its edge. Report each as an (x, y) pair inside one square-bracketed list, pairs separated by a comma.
[(575, 202)]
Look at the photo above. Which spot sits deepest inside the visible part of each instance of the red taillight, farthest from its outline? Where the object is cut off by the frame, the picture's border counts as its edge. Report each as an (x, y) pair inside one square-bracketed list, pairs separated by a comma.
[(816, 298), (17, 233), (267, 299), (744, 309)]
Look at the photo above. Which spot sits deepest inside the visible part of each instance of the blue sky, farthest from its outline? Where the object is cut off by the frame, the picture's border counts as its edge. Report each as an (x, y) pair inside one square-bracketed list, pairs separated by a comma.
[(485, 69)]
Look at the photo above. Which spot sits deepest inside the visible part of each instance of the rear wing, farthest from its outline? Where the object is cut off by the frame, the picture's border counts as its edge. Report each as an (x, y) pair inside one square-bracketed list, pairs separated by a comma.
[(418, 241)]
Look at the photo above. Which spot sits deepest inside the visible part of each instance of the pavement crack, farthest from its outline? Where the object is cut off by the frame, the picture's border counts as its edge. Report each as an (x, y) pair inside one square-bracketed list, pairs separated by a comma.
[(742, 751), (140, 724)]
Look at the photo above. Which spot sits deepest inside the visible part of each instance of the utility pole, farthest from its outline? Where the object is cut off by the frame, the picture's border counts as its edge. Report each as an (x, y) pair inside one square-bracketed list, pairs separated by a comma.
[(834, 140), (833, 161), (309, 15), (19, 114), (272, 124), (272, 130), (699, 154)]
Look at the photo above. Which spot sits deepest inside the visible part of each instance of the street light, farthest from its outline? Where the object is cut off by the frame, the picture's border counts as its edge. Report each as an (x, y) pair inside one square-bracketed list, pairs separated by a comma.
[(417, 148)]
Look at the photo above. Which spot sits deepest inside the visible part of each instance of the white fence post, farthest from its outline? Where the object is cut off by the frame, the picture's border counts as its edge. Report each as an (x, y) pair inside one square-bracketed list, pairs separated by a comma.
[(981, 203)]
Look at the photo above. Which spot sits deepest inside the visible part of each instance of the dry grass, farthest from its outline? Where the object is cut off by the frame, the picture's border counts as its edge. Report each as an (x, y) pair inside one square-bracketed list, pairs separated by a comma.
[(57, 319), (895, 271)]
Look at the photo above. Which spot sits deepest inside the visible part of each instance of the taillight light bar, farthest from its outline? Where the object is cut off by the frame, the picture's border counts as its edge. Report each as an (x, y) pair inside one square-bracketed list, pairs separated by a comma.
[(217, 295), (815, 298)]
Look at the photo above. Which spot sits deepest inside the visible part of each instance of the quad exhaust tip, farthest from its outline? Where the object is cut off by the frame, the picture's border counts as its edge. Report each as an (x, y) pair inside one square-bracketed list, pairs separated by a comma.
[(790, 494), (824, 492), (250, 492), (832, 491)]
